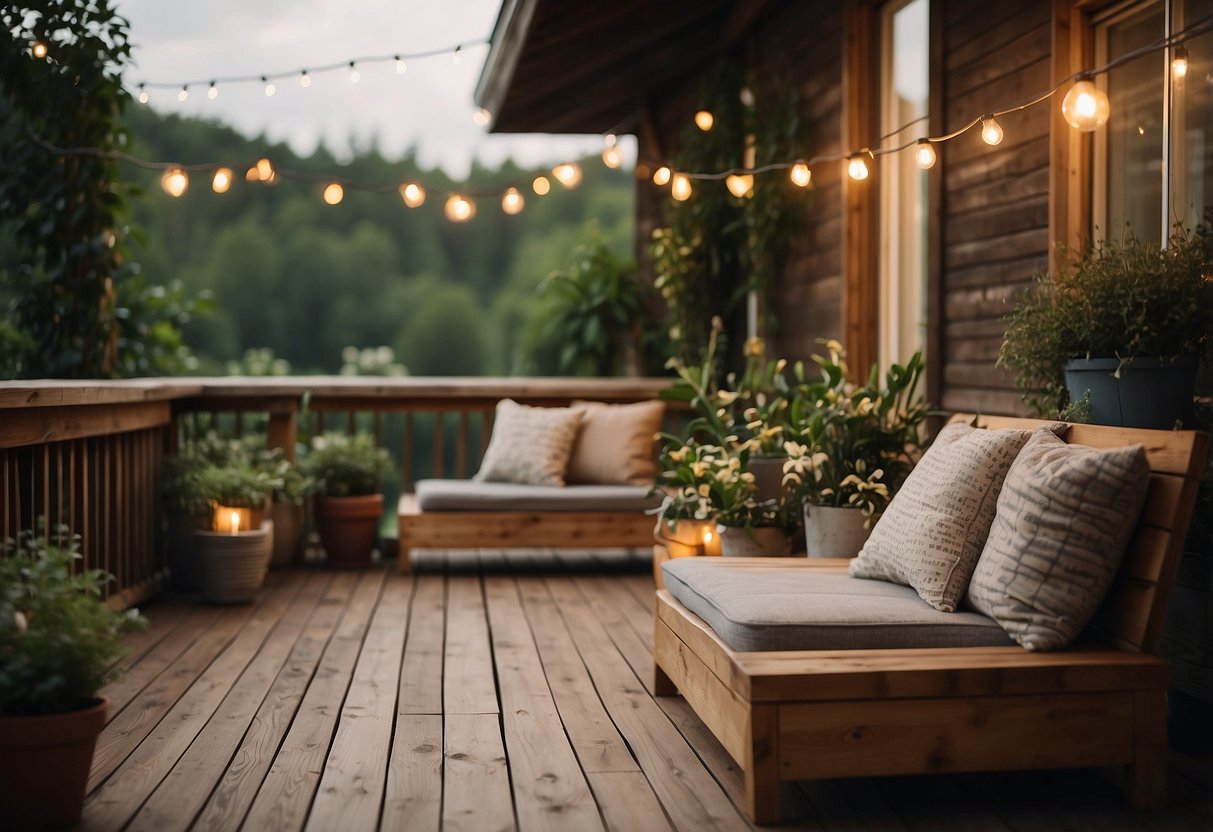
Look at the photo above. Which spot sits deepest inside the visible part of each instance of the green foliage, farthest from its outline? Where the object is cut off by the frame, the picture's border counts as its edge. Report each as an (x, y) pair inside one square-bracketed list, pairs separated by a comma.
[(446, 334), (259, 361), (58, 640), (240, 484), (346, 466), (232, 472), (77, 305), (371, 361), (1123, 298)]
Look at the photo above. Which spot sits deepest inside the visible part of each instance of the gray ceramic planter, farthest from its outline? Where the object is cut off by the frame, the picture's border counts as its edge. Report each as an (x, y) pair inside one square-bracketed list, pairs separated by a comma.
[(1149, 393)]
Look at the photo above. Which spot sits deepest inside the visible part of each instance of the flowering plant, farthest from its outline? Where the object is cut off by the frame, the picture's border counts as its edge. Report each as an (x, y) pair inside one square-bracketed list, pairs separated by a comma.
[(702, 481), (854, 446)]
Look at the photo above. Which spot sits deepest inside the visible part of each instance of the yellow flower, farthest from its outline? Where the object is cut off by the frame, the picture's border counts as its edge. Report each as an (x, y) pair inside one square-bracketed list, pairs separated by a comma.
[(726, 396), (753, 347), (705, 490), (678, 455)]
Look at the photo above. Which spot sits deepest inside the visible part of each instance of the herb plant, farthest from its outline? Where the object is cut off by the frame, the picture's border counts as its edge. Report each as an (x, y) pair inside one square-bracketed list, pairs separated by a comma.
[(346, 466)]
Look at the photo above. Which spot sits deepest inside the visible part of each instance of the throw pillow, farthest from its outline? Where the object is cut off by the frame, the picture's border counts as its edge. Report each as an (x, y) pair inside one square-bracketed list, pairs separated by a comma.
[(529, 445), (615, 443), (1064, 519), (933, 530)]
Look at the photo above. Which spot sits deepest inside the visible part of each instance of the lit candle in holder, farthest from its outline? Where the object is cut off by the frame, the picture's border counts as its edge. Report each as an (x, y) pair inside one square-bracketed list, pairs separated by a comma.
[(232, 519), (711, 539)]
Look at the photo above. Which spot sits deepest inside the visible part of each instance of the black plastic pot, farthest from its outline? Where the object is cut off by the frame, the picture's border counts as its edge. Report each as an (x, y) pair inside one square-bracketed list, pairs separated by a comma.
[(1148, 394)]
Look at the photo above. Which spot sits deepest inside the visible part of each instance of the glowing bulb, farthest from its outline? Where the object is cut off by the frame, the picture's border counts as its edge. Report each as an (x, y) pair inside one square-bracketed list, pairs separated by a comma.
[(991, 131), (143, 96), (401, 66), (1179, 63), (800, 175), (235, 522), (704, 120), (222, 180), (541, 185), (174, 181), (355, 75), (412, 194), (568, 174), (212, 91), (661, 176), (611, 157), (305, 80), (681, 187), (459, 208), (1085, 106), (481, 116), (857, 168), (707, 536), (265, 170), (40, 49), (334, 193), (740, 185), (512, 202), (184, 94), (924, 154)]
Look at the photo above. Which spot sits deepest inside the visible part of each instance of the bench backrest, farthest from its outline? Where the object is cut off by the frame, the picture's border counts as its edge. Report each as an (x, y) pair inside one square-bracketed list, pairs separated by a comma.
[(1134, 612)]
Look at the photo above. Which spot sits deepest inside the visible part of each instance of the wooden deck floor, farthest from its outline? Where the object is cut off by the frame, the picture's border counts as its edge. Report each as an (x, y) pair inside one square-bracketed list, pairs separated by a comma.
[(484, 694)]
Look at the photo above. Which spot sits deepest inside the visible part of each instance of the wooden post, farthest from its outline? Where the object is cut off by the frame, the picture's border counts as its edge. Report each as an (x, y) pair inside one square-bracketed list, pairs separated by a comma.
[(1146, 776), (283, 429), (761, 765)]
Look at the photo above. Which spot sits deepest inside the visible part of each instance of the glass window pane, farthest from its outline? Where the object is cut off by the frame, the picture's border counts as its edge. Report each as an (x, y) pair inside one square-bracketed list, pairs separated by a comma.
[(1192, 125)]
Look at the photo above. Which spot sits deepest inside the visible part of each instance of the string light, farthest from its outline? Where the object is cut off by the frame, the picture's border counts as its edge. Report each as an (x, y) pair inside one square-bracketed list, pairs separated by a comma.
[(265, 170), (40, 49), (401, 66), (740, 185), (184, 94), (334, 193), (541, 185), (482, 116), (212, 91), (413, 194), (175, 181), (991, 131), (924, 154), (459, 208), (857, 168), (222, 180), (661, 176), (143, 96), (1179, 63), (704, 120), (611, 157), (800, 175), (512, 201), (680, 188), (568, 174), (1085, 106), (305, 80), (355, 75), (270, 89)]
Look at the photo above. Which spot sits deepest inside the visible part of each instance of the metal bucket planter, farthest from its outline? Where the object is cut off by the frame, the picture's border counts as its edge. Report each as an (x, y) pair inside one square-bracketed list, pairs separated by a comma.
[(1149, 393), (759, 541), (234, 565), (834, 531)]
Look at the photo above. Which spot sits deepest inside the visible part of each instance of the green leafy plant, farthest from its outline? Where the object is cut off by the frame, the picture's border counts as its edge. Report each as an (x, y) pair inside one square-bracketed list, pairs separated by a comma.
[(702, 481), (1122, 298), (346, 466), (854, 446), (238, 483), (58, 640)]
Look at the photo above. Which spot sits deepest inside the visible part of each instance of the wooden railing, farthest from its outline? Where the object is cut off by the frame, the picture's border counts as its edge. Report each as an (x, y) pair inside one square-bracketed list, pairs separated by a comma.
[(87, 455)]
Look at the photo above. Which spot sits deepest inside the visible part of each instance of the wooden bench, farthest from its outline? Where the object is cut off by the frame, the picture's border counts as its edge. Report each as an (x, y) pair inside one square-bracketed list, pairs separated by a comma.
[(517, 529), (851, 713)]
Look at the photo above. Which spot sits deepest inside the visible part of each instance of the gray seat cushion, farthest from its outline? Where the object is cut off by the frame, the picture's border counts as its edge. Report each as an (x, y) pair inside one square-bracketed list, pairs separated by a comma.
[(755, 607), (469, 495)]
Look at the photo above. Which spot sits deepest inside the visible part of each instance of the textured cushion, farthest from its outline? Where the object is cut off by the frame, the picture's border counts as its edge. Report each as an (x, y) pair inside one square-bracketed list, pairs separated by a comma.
[(468, 495), (615, 443), (529, 445), (1065, 516), (933, 530), (769, 607)]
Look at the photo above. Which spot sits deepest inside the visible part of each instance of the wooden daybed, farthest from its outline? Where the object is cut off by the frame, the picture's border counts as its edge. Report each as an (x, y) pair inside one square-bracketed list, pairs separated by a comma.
[(869, 712)]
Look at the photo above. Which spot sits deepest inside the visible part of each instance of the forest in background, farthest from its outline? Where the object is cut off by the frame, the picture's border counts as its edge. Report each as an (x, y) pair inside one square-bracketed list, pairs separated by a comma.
[(307, 280)]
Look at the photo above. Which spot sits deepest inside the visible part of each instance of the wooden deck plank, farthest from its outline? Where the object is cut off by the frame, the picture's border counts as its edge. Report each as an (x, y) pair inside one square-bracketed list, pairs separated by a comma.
[(285, 796), (550, 791), (413, 799), (351, 788), (476, 782), (184, 791), (627, 801), (252, 758), (421, 671), (468, 684)]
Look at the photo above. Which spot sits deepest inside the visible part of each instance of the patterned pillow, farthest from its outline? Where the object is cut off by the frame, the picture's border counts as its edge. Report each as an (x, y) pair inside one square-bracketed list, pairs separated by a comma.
[(1064, 518), (529, 445), (933, 530)]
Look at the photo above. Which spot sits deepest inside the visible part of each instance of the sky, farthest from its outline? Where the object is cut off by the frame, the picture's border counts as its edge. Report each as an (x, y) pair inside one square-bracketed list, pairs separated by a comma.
[(429, 107)]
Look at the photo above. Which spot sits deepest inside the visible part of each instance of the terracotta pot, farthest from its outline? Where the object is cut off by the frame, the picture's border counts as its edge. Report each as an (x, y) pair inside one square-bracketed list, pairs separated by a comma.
[(834, 531), (234, 565), (684, 540), (288, 532), (759, 541), (46, 765), (349, 528)]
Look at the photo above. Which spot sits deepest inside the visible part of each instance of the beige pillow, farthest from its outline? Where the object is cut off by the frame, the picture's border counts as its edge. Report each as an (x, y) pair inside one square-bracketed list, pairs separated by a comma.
[(529, 445), (1064, 518), (615, 443), (933, 531)]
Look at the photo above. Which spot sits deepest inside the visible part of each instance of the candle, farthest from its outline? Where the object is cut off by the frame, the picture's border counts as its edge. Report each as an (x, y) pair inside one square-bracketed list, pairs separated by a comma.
[(232, 519), (711, 540)]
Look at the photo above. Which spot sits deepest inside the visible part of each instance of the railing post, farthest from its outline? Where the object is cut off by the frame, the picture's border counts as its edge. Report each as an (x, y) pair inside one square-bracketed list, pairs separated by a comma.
[(283, 428)]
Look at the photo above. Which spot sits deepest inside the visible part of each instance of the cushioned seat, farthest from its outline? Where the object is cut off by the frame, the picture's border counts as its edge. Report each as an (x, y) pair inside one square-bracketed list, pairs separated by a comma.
[(768, 607), (469, 495)]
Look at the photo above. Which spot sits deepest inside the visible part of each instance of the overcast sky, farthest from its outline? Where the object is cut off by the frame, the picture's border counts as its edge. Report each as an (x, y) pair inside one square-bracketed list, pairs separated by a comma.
[(429, 106)]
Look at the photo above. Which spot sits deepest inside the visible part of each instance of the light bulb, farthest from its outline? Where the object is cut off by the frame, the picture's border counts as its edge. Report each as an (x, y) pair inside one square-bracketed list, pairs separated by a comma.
[(800, 175), (746, 97), (251, 175), (413, 194), (270, 89), (924, 154), (857, 168), (1179, 63), (568, 174), (143, 96), (305, 80), (740, 185), (704, 120), (661, 176), (265, 170), (512, 201), (541, 185), (40, 49), (611, 157), (222, 180), (184, 94), (334, 193), (212, 91), (355, 75), (175, 181), (401, 66), (708, 534), (459, 208), (991, 131), (681, 187), (481, 116), (1085, 106)]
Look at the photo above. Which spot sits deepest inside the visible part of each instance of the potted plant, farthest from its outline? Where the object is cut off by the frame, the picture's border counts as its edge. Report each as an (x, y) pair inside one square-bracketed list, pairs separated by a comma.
[(686, 523), (852, 449), (287, 503), (348, 472), (58, 646), (235, 552), (1116, 337)]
